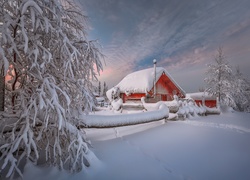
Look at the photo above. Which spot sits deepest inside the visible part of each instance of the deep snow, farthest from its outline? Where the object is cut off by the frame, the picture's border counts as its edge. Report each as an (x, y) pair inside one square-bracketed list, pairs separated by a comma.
[(210, 147)]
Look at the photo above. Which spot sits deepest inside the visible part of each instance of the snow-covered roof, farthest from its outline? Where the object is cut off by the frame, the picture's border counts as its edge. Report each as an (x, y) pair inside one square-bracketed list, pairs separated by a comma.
[(200, 95), (142, 81)]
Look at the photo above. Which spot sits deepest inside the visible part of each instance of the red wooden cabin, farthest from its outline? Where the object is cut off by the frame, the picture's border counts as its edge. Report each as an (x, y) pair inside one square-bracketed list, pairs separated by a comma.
[(141, 83)]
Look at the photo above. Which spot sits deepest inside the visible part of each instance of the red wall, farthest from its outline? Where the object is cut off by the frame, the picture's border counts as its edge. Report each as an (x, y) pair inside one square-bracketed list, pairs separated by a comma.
[(166, 87), (208, 103)]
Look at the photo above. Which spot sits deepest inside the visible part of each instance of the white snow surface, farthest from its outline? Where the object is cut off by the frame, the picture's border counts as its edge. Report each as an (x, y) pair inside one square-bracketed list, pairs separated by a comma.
[(142, 81), (208, 147), (200, 96)]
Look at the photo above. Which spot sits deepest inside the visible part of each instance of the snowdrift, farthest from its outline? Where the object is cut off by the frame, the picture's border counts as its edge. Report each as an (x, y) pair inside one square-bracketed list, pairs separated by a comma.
[(97, 121), (212, 110)]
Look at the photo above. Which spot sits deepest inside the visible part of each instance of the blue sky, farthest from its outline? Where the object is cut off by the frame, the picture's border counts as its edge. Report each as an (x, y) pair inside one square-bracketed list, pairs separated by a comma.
[(183, 35)]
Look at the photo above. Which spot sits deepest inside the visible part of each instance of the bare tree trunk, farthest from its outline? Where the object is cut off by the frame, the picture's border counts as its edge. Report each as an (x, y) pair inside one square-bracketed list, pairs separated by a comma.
[(2, 91)]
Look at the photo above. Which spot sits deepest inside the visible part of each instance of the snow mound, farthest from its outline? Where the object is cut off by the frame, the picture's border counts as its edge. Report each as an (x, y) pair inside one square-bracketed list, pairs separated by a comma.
[(212, 110), (226, 109)]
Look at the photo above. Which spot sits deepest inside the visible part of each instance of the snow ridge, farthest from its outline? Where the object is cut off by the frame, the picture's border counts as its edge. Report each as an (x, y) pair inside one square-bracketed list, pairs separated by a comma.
[(219, 125)]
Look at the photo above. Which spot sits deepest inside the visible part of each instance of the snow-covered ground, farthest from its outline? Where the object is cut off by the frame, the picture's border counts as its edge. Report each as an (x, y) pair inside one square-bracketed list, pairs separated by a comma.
[(210, 147)]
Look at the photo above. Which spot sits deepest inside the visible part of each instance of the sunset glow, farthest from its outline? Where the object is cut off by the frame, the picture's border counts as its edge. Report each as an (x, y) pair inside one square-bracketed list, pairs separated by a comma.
[(182, 35)]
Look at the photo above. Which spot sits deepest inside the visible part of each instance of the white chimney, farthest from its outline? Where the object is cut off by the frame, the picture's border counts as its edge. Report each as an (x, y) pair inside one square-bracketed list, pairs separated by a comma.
[(154, 61)]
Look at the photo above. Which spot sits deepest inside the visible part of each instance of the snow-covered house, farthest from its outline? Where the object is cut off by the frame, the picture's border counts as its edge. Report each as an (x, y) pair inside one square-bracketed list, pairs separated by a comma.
[(141, 83), (203, 98)]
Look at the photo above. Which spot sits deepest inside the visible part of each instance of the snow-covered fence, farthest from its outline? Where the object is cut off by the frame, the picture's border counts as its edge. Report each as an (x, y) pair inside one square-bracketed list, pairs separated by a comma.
[(188, 108), (173, 106), (183, 108), (150, 106), (97, 121)]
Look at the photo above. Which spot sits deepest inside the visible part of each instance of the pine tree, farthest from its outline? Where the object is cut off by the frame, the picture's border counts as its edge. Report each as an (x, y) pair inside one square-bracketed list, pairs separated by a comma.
[(241, 91), (99, 88), (105, 89), (44, 49), (219, 80)]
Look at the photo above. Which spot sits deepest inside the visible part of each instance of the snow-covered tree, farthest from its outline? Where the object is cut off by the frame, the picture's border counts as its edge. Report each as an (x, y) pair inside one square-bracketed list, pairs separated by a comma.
[(241, 92), (105, 89), (116, 101), (44, 49), (219, 79), (99, 88)]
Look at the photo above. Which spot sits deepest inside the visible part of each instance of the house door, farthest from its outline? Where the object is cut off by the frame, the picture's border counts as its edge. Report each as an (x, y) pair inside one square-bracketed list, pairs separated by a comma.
[(164, 97)]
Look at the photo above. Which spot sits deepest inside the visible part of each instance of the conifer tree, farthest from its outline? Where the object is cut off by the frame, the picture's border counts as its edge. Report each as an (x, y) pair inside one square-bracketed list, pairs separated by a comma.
[(219, 80), (99, 88), (105, 89), (232, 89), (241, 91)]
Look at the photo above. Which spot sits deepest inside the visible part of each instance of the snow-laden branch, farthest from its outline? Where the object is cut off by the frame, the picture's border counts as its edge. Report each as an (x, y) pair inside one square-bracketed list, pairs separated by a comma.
[(52, 65), (31, 3)]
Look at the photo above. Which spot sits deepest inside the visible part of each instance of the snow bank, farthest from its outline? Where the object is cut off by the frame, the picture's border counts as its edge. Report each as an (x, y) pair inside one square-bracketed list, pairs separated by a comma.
[(211, 147), (124, 119), (212, 110)]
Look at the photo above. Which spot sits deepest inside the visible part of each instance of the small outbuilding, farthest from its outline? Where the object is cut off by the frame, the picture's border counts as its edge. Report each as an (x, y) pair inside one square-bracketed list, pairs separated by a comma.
[(153, 82), (203, 98)]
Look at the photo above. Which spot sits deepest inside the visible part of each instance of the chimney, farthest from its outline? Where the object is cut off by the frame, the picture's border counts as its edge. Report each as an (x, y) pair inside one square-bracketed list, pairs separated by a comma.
[(154, 61)]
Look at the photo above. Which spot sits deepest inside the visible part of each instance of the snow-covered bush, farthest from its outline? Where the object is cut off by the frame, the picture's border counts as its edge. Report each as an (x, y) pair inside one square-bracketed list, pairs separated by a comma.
[(117, 105), (52, 64), (115, 93), (116, 101)]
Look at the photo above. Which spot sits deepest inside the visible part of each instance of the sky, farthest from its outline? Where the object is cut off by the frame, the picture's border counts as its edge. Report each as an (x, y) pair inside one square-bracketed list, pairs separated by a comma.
[(183, 36)]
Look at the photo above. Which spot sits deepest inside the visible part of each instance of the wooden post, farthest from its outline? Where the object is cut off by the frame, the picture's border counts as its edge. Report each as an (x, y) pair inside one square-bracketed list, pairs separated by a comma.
[(154, 61)]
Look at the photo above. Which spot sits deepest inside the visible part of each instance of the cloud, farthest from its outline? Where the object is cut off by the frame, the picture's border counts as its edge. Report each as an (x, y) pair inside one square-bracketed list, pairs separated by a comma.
[(179, 34)]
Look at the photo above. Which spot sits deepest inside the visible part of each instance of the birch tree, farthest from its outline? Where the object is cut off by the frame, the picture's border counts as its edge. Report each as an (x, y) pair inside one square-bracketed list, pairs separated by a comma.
[(45, 51)]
